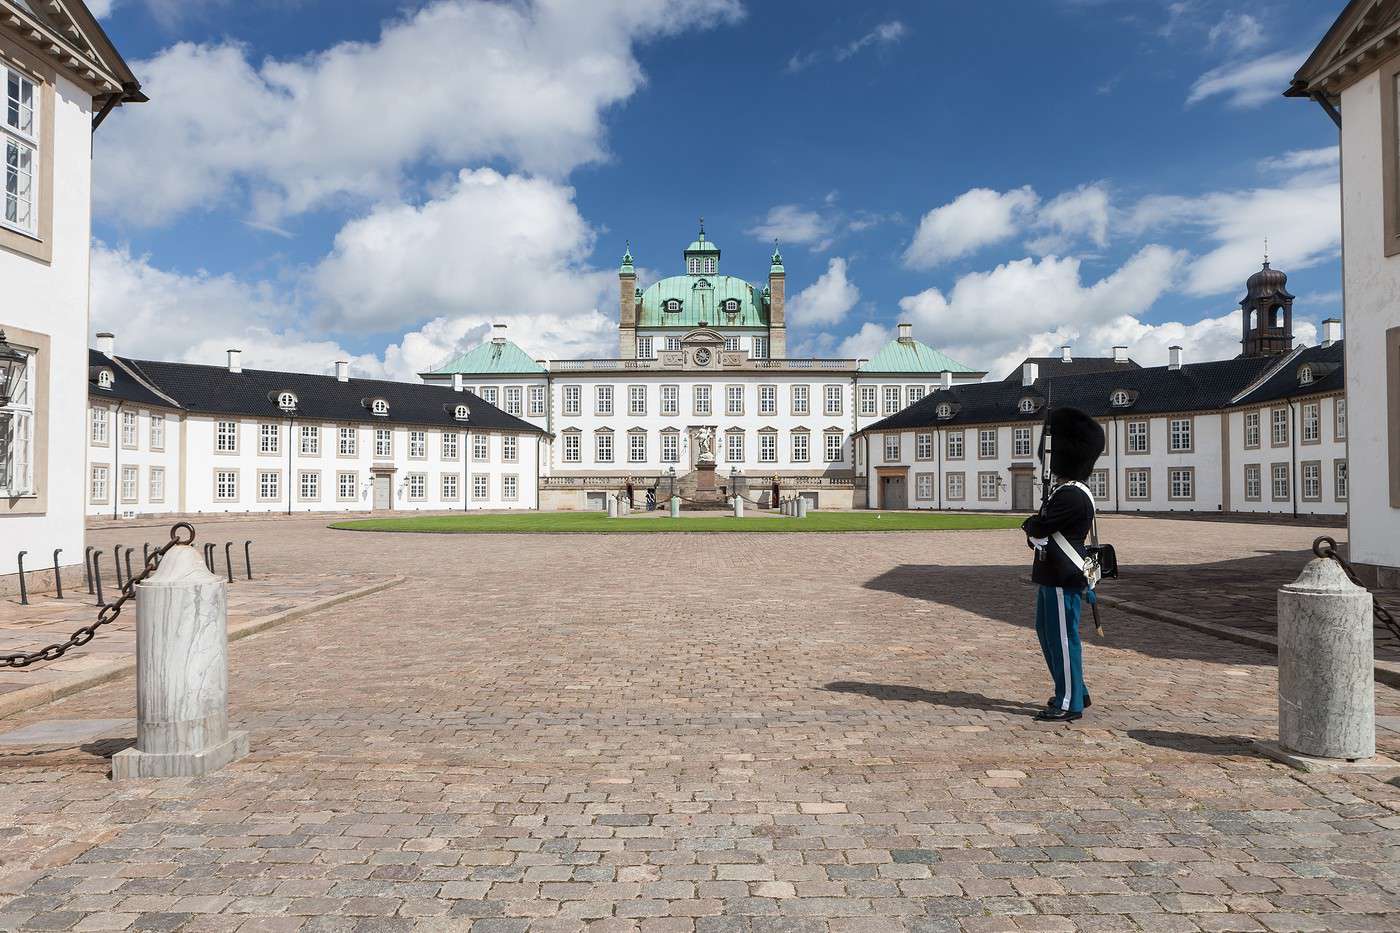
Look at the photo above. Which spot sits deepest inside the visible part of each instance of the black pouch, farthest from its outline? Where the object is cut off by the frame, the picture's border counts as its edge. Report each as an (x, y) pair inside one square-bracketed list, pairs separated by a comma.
[(1108, 560)]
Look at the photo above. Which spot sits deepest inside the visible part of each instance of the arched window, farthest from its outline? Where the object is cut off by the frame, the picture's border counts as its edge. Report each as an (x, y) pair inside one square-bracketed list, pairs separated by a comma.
[(1305, 375), (945, 410), (1118, 399), (731, 306), (104, 379), (1026, 406), (673, 305), (460, 413), (379, 407), (710, 265), (694, 265), (286, 401)]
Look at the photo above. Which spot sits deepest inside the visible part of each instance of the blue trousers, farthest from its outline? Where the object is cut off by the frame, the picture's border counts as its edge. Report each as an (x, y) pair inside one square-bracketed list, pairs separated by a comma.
[(1057, 625)]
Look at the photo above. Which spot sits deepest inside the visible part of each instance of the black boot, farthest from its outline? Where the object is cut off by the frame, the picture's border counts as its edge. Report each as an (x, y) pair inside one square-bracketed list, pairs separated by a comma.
[(1052, 714), (1087, 702)]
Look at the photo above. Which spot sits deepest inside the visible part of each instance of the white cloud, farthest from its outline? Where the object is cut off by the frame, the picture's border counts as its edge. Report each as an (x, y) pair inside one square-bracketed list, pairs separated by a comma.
[(827, 300), (977, 218), (1078, 214), (1237, 32), (527, 83), (883, 34), (864, 343), (789, 223), (101, 8), (1248, 84), (1298, 160)]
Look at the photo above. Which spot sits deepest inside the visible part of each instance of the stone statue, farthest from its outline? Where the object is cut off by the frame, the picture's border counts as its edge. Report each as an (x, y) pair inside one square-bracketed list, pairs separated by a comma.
[(705, 445)]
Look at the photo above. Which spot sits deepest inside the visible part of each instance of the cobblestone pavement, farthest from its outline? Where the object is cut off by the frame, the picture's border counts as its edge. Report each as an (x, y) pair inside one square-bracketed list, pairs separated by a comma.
[(712, 732)]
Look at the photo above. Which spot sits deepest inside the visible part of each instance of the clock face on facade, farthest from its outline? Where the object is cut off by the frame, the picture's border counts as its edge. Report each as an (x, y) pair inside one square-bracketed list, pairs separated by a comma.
[(702, 356)]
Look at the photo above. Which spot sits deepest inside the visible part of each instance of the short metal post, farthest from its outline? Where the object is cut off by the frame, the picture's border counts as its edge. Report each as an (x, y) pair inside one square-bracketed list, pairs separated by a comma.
[(209, 556), (87, 567), (145, 553), (248, 557), (97, 576), (23, 590), (129, 552), (228, 559), (57, 577), (117, 562)]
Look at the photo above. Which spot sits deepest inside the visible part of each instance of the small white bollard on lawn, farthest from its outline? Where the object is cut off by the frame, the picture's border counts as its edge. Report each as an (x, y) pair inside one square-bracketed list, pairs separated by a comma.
[(675, 506), (801, 506), (786, 503), (1326, 672), (612, 506), (738, 506), (181, 674)]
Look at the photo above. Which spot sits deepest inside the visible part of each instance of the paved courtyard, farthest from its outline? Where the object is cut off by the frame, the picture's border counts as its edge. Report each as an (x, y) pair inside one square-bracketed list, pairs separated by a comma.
[(711, 732)]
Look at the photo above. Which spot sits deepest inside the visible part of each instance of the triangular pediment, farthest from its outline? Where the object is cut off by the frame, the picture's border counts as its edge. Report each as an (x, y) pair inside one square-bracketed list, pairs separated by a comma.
[(1364, 31), (66, 33)]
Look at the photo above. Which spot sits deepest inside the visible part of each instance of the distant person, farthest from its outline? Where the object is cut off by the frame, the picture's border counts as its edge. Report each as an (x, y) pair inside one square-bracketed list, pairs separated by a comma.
[(1064, 522), (651, 498)]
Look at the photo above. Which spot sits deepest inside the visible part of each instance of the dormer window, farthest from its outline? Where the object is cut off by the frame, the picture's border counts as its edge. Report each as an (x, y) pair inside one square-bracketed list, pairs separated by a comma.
[(673, 305), (460, 413), (287, 401), (1026, 406), (1305, 375), (731, 306), (944, 410), (379, 407), (710, 265), (104, 379), (693, 265), (1119, 399)]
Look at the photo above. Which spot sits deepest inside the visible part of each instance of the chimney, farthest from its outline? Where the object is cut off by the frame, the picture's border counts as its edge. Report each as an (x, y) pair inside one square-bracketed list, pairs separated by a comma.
[(1030, 372), (456, 382), (342, 371), (106, 343), (498, 334), (906, 333), (1065, 356), (1174, 357), (946, 380), (1120, 354), (234, 366), (1331, 331)]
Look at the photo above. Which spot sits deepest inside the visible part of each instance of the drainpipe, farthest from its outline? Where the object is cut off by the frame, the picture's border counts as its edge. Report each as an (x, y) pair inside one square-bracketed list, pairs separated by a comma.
[(1294, 479), (466, 472), (290, 480), (938, 475), (1117, 474), (117, 459)]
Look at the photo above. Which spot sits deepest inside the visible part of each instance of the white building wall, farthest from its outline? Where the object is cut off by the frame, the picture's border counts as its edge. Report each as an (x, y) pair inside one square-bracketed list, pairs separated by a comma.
[(51, 300), (110, 456), (1295, 455)]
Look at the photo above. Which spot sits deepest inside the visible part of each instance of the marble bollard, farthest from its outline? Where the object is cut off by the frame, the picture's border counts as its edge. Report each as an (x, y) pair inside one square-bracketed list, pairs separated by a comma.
[(1326, 665), (801, 506), (612, 507), (738, 506), (675, 506), (181, 674)]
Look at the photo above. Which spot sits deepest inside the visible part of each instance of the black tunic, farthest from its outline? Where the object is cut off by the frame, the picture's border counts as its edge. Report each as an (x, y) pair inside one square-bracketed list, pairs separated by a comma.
[(1070, 511)]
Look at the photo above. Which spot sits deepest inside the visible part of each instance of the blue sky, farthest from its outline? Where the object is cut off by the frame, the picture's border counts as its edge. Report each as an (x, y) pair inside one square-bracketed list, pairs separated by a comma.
[(318, 180)]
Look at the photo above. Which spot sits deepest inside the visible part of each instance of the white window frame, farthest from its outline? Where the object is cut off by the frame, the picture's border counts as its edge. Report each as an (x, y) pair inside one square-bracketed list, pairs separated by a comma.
[(510, 487), (1132, 476), (1139, 437), (309, 485), (733, 400), (1341, 480), (603, 400), (451, 445), (573, 447), (1021, 442), (1311, 428), (703, 400), (573, 400), (226, 437), (481, 486), (801, 400), (130, 483), (24, 142), (670, 447), (603, 451), (767, 400), (1251, 430), (447, 485), (1180, 435), (131, 430), (987, 443), (515, 401), (155, 484), (833, 446), (636, 447), (869, 402), (157, 431), (481, 447), (759, 350), (832, 400), (767, 446), (417, 445), (347, 442), (1253, 482), (536, 401), (734, 447), (384, 443), (99, 432), (310, 440), (893, 399), (801, 447), (347, 486), (893, 445), (99, 484), (670, 400), (269, 486), (956, 445), (417, 486), (1181, 484), (645, 348), (269, 438), (637, 400), (226, 485), (923, 445)]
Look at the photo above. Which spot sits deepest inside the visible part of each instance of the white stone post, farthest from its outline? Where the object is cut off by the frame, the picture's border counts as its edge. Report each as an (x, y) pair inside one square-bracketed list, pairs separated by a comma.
[(181, 674), (612, 506), (801, 506), (738, 506), (675, 506), (1326, 669)]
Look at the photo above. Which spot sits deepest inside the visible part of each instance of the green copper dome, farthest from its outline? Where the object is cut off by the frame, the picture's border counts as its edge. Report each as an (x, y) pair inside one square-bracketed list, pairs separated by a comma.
[(490, 359), (911, 356), (702, 299)]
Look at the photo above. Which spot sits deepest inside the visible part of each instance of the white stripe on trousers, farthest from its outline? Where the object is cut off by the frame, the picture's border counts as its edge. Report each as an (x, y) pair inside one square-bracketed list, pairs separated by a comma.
[(1064, 646)]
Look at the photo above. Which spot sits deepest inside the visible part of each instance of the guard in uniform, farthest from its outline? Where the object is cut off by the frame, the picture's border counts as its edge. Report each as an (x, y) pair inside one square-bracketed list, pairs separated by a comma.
[(1076, 441)]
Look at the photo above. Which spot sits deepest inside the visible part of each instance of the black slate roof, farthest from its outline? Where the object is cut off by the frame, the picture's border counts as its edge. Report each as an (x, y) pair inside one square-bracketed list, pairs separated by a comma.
[(1051, 366), (1151, 390), (1328, 376), (253, 393), (124, 387)]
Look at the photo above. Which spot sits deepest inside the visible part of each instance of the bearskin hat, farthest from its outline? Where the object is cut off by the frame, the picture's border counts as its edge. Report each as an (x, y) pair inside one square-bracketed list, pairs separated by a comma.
[(1076, 441)]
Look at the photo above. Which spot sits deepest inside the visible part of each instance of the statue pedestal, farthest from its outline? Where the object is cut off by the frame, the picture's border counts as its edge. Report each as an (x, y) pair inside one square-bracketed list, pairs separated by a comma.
[(705, 479)]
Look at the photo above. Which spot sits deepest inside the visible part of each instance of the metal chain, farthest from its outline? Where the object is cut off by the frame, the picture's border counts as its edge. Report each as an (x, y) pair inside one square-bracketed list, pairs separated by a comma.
[(107, 614), (1326, 547)]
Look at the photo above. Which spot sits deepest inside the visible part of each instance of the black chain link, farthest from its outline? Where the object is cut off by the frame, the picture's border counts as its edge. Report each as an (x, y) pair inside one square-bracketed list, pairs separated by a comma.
[(1327, 547), (107, 614)]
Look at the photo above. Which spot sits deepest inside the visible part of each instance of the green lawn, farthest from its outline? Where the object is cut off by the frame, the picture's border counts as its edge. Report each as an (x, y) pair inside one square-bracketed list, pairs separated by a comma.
[(596, 522)]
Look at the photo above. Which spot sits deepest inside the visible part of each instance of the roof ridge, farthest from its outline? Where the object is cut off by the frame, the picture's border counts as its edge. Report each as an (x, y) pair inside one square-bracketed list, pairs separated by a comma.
[(136, 372)]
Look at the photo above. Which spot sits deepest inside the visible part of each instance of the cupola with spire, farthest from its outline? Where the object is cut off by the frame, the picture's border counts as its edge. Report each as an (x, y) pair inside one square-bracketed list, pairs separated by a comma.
[(701, 256), (1267, 313)]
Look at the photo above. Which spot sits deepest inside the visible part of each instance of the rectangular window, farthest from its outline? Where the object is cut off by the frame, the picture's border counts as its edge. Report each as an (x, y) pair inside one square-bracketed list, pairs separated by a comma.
[(417, 445), (384, 443), (603, 447), (955, 489), (269, 438), (912, 394), (129, 430), (834, 444), (481, 446), (702, 400), (987, 444), (1339, 418), (767, 400), (644, 350), (488, 394), (514, 404), (760, 348), (832, 396), (1137, 437), (481, 486), (1312, 422), (1253, 482), (450, 441), (226, 485), (1139, 484), (923, 445), (731, 343), (449, 486), (955, 445), (309, 486), (156, 484), (670, 400), (733, 400), (637, 447), (673, 343), (1020, 442), (1279, 485), (1279, 433), (867, 401), (131, 480), (923, 485), (987, 486), (636, 400), (892, 448), (602, 400), (801, 447), (98, 432), (20, 135), (346, 486), (573, 400), (269, 486), (573, 447), (510, 487), (97, 484), (1181, 483), (347, 442), (311, 440), (417, 487), (510, 448), (1251, 430), (157, 432), (734, 447), (670, 447), (801, 400), (768, 447), (226, 437), (1180, 435), (536, 401), (1312, 480), (1339, 477), (892, 399), (1098, 484)]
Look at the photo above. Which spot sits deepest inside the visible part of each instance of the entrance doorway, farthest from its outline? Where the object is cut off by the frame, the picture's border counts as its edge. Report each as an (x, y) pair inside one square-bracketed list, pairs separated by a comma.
[(1022, 492), (892, 493), (383, 491)]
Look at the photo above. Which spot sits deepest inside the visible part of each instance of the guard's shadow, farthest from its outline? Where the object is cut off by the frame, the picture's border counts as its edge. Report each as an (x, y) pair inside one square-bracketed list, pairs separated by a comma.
[(961, 699), (1193, 742)]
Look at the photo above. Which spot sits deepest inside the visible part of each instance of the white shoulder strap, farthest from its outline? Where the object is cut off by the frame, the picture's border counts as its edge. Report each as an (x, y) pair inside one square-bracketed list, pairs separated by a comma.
[(1060, 540)]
